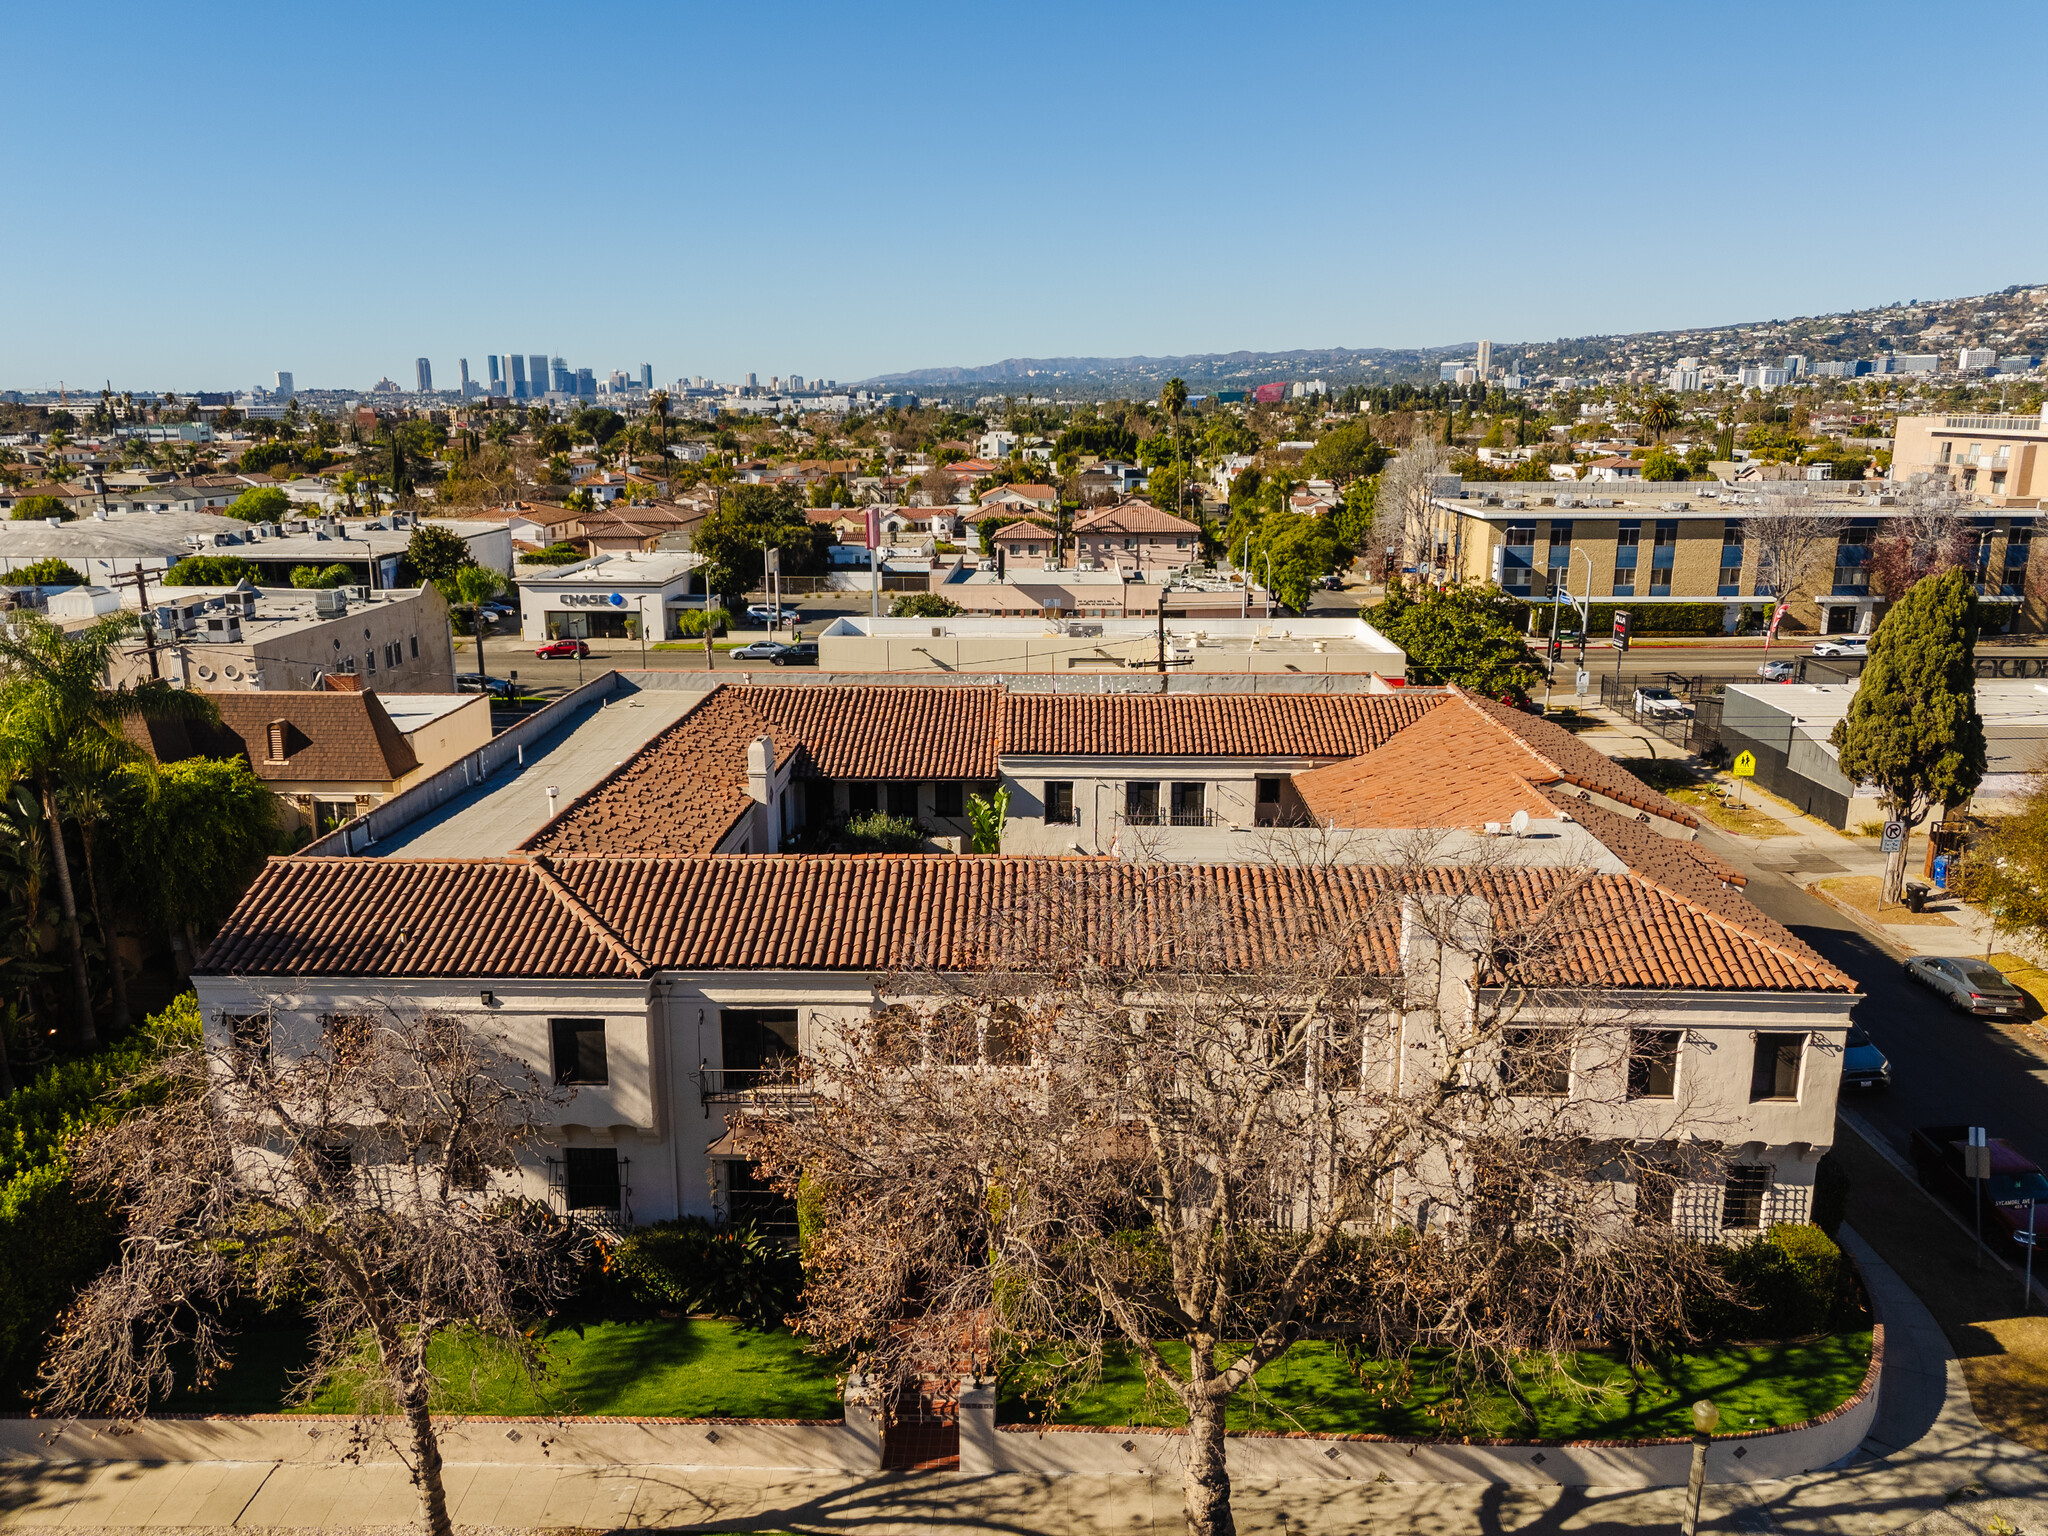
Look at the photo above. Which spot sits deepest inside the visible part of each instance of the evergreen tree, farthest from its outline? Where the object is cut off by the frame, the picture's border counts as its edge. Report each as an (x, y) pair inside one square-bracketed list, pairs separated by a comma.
[(1913, 728)]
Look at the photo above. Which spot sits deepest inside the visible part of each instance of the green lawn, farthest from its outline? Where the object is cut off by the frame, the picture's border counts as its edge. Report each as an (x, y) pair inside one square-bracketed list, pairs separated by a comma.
[(683, 1369), (1310, 1388)]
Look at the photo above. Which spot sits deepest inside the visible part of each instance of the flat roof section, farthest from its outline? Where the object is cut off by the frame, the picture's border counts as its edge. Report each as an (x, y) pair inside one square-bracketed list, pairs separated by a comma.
[(492, 818)]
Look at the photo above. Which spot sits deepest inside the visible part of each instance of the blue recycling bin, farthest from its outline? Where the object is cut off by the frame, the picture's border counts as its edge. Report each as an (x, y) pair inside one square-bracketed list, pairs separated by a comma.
[(1941, 871)]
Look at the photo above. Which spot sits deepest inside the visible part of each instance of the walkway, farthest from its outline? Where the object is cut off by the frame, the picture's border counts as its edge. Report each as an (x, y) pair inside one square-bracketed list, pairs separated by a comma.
[(1914, 1475)]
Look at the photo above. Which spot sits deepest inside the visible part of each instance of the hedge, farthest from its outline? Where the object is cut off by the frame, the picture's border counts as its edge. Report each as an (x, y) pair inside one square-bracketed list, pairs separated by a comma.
[(1644, 618), (694, 1266), (1791, 1282)]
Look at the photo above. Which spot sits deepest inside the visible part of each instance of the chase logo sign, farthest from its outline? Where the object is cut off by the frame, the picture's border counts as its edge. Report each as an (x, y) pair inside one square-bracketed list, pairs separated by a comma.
[(594, 599)]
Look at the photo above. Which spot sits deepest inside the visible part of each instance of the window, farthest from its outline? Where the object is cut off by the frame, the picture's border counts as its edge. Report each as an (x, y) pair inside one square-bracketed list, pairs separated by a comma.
[(579, 1050), (1536, 1063), (415, 647), (1653, 1063), (347, 1033), (590, 1178), (752, 1201), (1774, 1072), (1665, 548), (903, 801), (1624, 581), (949, 798), (862, 800), (1141, 803), (334, 1158), (1188, 805), (248, 1034), (1742, 1198), (1560, 545), (1059, 804), (370, 662), (758, 1043), (1521, 536), (1269, 791), (2019, 548), (1656, 1195)]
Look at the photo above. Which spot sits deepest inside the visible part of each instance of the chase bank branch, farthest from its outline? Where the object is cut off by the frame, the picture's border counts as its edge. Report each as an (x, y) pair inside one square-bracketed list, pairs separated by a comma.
[(609, 597)]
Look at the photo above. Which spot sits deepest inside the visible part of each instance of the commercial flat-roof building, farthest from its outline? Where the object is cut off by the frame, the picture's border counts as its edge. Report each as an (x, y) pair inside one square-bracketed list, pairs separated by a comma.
[(984, 644), (625, 595), (2001, 460)]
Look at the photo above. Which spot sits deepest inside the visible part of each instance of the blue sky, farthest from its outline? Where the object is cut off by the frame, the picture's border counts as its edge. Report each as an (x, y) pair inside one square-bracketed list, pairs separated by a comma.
[(203, 194)]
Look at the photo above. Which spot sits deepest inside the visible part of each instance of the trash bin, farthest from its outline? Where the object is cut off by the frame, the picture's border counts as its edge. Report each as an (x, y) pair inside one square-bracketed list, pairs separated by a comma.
[(1916, 896), (1941, 870)]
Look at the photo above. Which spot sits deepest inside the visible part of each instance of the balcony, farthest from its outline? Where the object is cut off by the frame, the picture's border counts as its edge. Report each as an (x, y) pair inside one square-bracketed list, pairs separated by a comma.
[(1181, 818), (778, 1080)]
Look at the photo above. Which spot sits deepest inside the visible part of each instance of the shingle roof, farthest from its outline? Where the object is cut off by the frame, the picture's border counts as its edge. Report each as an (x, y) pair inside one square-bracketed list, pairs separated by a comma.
[(622, 917), (1455, 767), (1207, 725), (329, 737)]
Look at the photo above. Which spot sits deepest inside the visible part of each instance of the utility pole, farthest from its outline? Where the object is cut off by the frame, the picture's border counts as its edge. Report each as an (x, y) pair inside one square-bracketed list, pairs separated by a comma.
[(1162, 627), (140, 581)]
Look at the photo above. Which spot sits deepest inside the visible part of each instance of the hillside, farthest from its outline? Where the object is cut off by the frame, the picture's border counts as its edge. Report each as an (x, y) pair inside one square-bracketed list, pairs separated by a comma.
[(2012, 320)]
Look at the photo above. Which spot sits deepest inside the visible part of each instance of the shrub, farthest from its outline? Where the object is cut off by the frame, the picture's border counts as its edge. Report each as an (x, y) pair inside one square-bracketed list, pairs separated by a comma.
[(51, 572), (260, 504), (33, 509), (1790, 1282), (879, 832), (209, 571), (923, 605), (730, 1271), (560, 553), (314, 577)]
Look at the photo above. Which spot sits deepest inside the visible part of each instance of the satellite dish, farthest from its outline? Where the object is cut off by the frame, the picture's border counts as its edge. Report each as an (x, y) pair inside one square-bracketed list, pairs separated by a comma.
[(1519, 822)]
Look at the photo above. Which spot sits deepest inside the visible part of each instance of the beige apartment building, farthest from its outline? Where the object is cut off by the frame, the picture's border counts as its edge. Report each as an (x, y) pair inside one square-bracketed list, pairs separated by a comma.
[(1693, 544), (2001, 460)]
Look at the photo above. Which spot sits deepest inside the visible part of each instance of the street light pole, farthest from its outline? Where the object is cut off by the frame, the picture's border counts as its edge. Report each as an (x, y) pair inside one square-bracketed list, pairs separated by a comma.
[(1704, 1417)]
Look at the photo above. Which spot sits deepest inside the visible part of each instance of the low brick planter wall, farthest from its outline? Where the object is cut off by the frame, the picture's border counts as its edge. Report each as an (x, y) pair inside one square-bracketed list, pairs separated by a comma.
[(1755, 1456)]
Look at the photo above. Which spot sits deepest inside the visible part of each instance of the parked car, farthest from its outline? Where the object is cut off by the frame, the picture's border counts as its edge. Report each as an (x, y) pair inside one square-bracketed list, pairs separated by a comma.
[(1842, 645), (1779, 671), (1661, 702), (2015, 1197), (1971, 986), (1863, 1064), (476, 682), (759, 650), (803, 654), (763, 613), (1333, 583), (556, 649)]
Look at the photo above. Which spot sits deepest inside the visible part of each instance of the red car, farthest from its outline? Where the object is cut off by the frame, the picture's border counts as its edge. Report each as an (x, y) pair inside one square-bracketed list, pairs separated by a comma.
[(556, 649)]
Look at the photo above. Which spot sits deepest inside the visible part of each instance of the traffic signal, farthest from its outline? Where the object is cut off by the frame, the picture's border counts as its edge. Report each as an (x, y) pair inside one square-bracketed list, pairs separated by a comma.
[(1556, 647), (1621, 630)]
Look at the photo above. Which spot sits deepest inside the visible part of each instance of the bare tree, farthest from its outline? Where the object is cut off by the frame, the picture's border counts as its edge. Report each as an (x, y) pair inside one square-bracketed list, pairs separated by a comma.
[(374, 1167), (1157, 1119), (1410, 522), (1932, 532), (940, 485), (1794, 543)]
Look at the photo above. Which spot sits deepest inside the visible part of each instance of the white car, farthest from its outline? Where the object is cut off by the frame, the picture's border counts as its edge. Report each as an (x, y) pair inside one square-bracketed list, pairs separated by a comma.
[(1660, 701), (1842, 645), (759, 650)]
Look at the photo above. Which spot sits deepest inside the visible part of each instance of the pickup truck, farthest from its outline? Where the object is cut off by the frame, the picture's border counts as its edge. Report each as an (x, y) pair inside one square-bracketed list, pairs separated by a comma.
[(2014, 1196)]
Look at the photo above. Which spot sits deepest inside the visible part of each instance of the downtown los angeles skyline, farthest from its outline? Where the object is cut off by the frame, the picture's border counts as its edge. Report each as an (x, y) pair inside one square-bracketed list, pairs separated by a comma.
[(723, 195)]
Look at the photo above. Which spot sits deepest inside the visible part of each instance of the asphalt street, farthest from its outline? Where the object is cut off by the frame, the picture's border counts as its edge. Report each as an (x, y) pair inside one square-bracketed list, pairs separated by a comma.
[(1946, 1067)]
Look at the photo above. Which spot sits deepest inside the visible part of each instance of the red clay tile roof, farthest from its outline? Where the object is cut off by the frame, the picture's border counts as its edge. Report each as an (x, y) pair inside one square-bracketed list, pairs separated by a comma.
[(885, 732), (679, 795), (329, 737), (1132, 517), (599, 917), (1208, 725), (1579, 764)]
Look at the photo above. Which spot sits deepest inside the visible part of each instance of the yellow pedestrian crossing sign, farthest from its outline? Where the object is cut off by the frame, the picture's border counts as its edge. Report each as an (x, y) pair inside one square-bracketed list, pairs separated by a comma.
[(1745, 766)]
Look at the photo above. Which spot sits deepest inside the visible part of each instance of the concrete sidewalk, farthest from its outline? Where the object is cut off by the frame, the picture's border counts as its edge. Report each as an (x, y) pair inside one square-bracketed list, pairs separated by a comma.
[(1928, 1468)]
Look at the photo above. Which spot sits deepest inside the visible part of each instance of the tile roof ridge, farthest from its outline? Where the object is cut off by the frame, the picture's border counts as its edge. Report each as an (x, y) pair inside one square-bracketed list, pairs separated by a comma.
[(567, 898), (1557, 772), (1814, 960)]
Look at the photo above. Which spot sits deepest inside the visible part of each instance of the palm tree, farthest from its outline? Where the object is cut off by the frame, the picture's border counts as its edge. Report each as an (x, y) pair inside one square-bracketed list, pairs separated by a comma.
[(59, 722), (1175, 398), (1660, 415), (657, 407)]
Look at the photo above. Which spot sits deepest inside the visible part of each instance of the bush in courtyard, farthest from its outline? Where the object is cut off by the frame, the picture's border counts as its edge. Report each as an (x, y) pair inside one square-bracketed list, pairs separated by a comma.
[(879, 832), (1790, 1282), (731, 1271)]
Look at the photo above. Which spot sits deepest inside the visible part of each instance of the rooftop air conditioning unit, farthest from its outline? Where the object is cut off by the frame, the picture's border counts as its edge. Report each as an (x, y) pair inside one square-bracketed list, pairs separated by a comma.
[(224, 628), (330, 603), (357, 594)]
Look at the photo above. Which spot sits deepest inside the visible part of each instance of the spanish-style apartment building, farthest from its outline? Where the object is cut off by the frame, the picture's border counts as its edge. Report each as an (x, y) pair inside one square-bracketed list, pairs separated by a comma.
[(614, 901)]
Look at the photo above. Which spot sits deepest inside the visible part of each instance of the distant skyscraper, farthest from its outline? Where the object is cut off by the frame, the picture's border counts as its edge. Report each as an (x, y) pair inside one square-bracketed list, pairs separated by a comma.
[(1485, 360), (423, 374), (536, 374), (647, 375), (463, 364), (561, 377), (752, 383), (516, 364), (491, 362), (284, 385), (583, 383)]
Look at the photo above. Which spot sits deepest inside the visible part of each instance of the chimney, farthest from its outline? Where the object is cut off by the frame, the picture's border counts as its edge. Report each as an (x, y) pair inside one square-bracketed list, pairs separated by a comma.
[(767, 837)]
